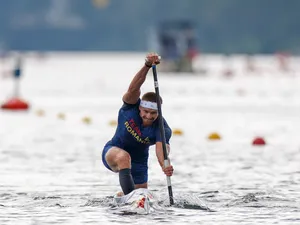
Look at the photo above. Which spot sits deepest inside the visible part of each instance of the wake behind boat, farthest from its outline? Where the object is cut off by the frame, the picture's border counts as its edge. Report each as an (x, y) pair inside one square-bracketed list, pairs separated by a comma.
[(139, 201)]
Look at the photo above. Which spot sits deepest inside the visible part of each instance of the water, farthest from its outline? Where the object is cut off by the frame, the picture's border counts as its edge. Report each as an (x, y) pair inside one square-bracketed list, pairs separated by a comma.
[(51, 170)]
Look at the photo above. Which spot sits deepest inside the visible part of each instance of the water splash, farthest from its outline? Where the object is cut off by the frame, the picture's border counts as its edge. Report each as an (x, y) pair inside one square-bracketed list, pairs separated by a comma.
[(104, 202), (187, 201)]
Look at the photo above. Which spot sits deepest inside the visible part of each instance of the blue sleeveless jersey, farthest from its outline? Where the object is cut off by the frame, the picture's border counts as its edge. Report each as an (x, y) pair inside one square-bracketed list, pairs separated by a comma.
[(133, 137)]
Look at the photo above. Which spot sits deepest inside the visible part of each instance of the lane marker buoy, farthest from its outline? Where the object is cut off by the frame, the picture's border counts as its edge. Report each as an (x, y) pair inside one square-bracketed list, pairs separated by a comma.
[(87, 120), (177, 132), (258, 141), (214, 136)]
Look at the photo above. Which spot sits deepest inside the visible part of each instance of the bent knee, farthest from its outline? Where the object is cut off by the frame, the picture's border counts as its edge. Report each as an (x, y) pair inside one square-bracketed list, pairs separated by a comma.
[(118, 159), (123, 160), (123, 156)]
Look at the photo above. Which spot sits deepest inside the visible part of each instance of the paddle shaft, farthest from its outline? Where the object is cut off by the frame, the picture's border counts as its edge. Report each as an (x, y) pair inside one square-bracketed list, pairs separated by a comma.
[(162, 132)]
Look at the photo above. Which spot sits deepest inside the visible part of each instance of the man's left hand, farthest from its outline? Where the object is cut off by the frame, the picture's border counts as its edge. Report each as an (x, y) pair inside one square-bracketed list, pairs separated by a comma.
[(168, 170)]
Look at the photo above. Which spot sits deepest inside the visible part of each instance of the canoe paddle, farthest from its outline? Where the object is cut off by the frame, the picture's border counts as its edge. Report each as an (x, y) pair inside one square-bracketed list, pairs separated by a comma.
[(162, 132)]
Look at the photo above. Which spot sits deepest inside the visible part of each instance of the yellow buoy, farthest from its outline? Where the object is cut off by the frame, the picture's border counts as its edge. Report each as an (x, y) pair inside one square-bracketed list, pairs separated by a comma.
[(113, 123), (40, 112), (214, 136), (177, 132), (61, 116), (87, 120)]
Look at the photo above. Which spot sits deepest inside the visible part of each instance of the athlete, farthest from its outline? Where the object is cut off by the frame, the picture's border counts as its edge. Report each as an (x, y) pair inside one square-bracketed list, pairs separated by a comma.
[(138, 129)]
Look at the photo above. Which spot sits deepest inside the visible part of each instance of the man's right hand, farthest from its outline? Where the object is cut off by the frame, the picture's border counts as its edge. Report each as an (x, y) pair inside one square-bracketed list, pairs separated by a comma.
[(152, 58)]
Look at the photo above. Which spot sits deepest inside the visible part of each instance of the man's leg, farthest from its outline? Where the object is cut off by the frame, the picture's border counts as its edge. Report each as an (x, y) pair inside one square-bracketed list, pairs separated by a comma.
[(119, 161), (140, 174)]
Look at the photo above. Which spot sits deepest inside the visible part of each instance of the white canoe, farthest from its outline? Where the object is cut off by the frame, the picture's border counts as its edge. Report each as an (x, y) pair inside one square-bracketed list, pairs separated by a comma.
[(138, 201)]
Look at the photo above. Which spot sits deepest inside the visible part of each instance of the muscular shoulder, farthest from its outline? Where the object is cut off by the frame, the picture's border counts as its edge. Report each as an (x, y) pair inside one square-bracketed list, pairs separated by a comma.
[(131, 97), (127, 106)]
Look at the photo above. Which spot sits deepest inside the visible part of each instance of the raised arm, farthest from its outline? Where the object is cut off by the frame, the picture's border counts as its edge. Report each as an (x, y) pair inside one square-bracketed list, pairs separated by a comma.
[(133, 93)]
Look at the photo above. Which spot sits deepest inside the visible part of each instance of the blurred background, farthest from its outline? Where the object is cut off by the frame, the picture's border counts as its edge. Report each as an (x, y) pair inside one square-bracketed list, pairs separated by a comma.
[(228, 26), (178, 30)]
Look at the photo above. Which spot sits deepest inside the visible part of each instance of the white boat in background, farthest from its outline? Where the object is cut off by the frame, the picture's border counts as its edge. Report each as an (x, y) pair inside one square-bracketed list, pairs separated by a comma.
[(138, 201)]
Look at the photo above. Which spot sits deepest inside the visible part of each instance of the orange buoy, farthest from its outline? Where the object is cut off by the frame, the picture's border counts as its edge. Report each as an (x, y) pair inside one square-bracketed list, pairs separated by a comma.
[(214, 136), (113, 123), (87, 120), (61, 116), (258, 141), (15, 104), (177, 132), (40, 112)]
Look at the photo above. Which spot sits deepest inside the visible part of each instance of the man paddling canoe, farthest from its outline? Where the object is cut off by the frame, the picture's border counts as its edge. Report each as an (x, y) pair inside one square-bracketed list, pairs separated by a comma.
[(138, 128)]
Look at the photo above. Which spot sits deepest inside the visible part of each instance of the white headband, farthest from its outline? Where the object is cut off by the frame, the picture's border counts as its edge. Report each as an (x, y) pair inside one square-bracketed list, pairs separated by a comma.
[(149, 105)]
